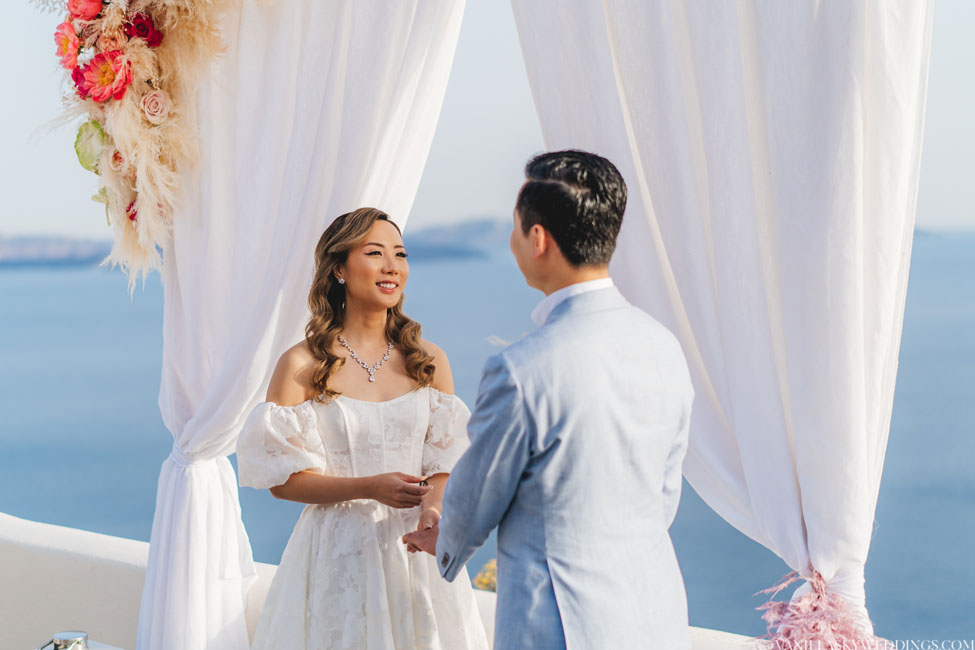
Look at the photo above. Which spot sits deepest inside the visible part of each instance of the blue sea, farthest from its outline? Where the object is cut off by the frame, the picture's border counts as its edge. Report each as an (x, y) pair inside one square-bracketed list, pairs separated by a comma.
[(81, 438)]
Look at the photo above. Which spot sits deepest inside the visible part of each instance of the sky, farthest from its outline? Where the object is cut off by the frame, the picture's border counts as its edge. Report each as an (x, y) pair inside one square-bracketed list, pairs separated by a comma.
[(488, 123)]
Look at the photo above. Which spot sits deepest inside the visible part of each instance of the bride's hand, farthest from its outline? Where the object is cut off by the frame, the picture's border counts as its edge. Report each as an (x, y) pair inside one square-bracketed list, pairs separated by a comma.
[(397, 490), (429, 518)]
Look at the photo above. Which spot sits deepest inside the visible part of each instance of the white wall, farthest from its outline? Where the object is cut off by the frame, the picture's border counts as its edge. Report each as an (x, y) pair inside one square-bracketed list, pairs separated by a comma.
[(54, 579)]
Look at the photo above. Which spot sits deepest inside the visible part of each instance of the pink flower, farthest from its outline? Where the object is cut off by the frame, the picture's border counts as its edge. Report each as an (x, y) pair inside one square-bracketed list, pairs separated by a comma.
[(68, 44), (156, 105), (120, 165), (114, 40), (141, 26), (80, 83), (84, 9), (107, 76), (117, 162)]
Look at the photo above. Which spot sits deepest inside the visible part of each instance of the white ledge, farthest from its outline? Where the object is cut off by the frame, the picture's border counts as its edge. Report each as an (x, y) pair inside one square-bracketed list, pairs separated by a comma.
[(54, 578)]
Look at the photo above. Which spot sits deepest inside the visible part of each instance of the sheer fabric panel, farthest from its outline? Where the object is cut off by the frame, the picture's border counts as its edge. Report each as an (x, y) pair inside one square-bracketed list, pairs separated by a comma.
[(316, 108), (771, 152)]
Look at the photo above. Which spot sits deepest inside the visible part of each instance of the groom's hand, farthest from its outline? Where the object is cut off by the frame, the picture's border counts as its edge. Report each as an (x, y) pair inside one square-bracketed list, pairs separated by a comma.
[(429, 518), (422, 540)]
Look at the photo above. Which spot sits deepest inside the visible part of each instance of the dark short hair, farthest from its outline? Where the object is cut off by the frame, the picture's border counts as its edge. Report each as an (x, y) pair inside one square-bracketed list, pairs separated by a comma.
[(579, 198)]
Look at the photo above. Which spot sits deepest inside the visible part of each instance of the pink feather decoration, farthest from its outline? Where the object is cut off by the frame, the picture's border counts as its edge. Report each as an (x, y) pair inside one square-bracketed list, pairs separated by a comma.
[(818, 618)]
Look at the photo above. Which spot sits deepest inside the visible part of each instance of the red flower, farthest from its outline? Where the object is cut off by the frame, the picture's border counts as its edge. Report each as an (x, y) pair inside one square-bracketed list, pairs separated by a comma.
[(141, 26), (80, 83), (131, 212), (107, 76)]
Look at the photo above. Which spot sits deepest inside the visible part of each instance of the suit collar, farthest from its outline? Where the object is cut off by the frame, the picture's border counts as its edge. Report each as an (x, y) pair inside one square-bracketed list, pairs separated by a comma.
[(541, 312), (596, 300)]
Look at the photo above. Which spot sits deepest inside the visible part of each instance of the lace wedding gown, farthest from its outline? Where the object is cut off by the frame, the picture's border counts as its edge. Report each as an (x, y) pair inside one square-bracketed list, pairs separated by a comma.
[(345, 579)]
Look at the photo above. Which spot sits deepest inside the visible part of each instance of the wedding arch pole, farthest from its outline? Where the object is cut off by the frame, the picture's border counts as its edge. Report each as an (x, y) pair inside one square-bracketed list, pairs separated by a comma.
[(772, 153), (316, 108)]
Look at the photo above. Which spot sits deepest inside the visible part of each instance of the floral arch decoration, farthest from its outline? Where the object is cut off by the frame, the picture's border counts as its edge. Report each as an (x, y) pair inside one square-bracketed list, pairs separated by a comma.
[(131, 70)]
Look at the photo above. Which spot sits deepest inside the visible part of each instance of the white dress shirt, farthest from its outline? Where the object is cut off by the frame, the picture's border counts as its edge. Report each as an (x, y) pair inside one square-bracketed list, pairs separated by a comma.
[(552, 300)]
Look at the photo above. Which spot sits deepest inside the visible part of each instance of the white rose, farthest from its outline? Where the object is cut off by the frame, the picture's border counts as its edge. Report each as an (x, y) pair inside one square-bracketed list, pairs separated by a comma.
[(156, 105)]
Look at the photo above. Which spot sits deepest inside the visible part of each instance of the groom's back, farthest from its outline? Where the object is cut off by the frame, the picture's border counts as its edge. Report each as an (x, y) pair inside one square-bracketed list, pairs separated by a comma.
[(609, 392)]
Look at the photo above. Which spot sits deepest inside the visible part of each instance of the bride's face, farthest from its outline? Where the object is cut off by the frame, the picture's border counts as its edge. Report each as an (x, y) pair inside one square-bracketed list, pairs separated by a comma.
[(376, 272)]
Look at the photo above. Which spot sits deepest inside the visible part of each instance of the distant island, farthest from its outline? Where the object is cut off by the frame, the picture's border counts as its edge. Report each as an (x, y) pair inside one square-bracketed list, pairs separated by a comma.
[(40, 251), (476, 238), (472, 238)]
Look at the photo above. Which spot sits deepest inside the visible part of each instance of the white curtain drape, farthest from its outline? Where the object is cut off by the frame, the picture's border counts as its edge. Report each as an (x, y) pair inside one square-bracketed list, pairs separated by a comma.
[(771, 150), (316, 108)]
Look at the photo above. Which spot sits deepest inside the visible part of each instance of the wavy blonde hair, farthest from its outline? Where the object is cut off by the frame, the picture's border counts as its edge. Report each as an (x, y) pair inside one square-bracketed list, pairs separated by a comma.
[(326, 300)]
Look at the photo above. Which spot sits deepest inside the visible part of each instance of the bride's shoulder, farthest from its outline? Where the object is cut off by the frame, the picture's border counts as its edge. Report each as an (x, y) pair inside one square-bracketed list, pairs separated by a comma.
[(298, 354), (443, 380), (291, 383)]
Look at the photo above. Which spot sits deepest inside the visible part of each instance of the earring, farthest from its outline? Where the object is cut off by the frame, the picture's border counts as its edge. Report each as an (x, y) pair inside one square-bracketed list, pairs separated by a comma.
[(341, 280)]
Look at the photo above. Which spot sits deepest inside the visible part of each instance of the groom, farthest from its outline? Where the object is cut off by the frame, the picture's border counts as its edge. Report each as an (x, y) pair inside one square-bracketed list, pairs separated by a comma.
[(577, 438)]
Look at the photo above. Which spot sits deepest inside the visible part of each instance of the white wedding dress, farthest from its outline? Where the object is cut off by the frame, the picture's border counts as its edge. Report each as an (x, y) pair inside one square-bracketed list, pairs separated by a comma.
[(345, 579)]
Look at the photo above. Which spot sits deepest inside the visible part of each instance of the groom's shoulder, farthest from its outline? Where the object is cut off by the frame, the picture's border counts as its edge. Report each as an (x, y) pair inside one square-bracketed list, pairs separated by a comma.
[(516, 357), (514, 354), (536, 350)]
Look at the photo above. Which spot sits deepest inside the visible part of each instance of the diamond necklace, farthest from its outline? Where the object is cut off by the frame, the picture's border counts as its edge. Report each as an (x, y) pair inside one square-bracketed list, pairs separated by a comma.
[(370, 369)]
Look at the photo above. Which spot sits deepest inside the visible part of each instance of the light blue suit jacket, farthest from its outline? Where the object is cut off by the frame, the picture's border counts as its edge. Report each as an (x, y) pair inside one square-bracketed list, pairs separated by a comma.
[(577, 441)]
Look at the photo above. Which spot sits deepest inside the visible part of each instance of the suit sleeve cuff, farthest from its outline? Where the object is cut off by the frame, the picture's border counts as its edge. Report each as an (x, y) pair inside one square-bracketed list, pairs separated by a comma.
[(446, 559)]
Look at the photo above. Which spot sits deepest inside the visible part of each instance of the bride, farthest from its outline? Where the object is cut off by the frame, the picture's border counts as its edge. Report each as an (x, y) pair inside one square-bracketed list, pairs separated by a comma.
[(361, 424)]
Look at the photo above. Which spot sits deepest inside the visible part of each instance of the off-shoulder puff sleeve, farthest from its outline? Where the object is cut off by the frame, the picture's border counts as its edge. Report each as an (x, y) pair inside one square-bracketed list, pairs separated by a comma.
[(446, 439), (276, 442)]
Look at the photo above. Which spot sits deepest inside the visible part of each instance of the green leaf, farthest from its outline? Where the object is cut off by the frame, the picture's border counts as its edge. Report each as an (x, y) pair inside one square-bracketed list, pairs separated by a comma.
[(102, 197), (89, 144)]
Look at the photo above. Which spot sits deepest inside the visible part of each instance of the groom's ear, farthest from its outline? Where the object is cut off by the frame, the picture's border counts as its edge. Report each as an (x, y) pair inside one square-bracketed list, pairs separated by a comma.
[(541, 240)]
